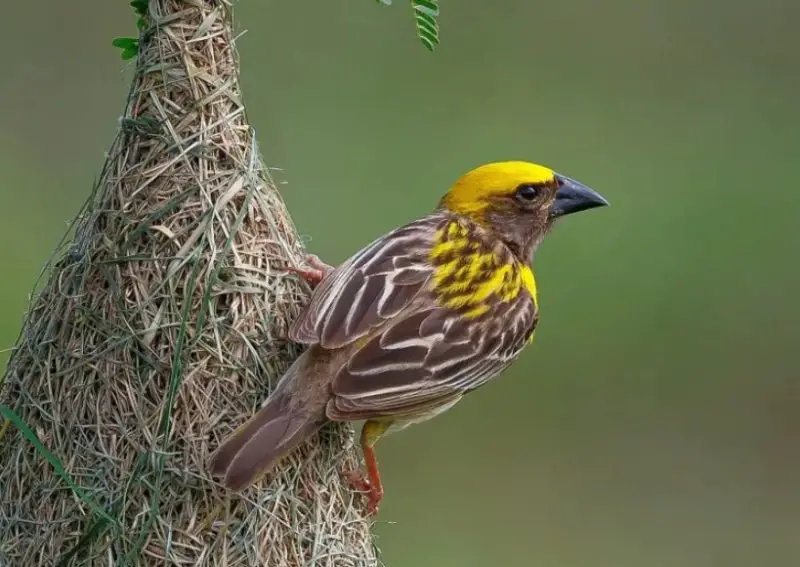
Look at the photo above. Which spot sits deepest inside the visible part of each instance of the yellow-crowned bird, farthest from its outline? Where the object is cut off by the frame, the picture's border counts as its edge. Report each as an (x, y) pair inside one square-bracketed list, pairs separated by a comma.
[(409, 324)]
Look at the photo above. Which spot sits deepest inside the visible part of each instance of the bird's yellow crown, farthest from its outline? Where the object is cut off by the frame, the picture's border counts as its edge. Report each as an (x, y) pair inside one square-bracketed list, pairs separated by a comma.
[(471, 193)]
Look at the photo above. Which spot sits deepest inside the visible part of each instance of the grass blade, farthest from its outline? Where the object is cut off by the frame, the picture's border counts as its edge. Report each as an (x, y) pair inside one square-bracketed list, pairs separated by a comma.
[(12, 417)]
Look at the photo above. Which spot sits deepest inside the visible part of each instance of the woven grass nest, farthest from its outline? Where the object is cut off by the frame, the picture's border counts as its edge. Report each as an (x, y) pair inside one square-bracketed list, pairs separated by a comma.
[(160, 327)]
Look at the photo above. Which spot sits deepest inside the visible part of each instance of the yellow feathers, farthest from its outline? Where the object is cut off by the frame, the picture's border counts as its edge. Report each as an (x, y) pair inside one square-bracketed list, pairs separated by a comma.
[(470, 275), (471, 193), (529, 282)]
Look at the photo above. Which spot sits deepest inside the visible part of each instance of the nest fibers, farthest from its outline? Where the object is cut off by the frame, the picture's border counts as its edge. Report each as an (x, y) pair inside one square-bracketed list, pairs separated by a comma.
[(159, 330)]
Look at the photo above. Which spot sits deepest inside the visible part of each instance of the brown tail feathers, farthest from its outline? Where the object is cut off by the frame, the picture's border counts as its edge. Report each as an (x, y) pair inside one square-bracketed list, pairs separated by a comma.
[(277, 428)]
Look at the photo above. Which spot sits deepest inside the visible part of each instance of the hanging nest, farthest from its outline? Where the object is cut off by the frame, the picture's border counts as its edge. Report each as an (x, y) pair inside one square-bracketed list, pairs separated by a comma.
[(160, 328)]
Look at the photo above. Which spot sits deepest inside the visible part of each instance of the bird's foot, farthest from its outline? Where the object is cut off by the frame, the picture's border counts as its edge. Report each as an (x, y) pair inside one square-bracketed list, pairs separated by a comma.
[(359, 483), (317, 270)]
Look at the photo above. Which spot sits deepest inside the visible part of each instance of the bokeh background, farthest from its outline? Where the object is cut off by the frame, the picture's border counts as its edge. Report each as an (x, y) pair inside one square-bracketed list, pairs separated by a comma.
[(655, 420)]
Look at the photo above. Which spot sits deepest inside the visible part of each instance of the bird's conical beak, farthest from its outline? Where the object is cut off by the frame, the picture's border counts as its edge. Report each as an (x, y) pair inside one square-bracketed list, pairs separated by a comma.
[(573, 197)]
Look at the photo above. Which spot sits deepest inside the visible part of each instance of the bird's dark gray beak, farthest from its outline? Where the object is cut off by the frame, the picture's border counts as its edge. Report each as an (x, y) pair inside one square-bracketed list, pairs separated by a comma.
[(573, 197)]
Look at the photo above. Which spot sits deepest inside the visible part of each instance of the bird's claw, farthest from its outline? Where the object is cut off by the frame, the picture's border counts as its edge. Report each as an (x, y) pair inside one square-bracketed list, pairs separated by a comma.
[(316, 272), (359, 483)]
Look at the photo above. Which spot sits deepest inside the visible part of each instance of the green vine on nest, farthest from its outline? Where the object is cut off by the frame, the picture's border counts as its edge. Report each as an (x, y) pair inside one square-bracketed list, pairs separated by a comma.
[(425, 14), (130, 45)]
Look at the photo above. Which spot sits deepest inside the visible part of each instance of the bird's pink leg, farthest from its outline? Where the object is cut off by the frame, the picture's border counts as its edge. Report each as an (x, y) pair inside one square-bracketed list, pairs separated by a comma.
[(371, 481), (316, 271)]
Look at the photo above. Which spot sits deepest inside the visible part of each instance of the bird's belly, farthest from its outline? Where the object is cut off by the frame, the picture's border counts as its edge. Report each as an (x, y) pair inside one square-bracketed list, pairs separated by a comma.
[(400, 422)]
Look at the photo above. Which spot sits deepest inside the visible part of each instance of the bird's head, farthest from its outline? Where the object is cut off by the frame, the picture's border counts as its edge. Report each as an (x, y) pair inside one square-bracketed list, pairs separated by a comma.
[(518, 201)]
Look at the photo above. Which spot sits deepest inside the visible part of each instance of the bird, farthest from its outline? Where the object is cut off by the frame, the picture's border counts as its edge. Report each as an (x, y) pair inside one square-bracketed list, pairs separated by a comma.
[(411, 323)]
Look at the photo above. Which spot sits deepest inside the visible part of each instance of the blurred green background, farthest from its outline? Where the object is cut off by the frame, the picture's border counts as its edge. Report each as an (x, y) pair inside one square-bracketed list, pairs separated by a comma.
[(655, 420)]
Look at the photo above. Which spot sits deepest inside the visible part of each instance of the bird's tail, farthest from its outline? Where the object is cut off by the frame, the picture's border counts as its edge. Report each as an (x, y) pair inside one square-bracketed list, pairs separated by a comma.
[(279, 426)]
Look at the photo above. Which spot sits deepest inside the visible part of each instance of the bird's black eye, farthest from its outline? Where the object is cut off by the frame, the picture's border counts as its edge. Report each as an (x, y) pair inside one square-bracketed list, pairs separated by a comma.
[(527, 192)]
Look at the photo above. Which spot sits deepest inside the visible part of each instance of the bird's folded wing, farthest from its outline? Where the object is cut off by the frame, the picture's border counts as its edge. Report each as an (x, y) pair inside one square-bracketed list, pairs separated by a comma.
[(372, 287), (412, 353), (427, 358)]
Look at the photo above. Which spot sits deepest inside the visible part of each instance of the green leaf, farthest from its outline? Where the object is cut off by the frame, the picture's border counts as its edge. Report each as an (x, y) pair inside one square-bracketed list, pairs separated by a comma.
[(130, 45), (59, 469), (430, 35), (425, 14), (140, 7), (429, 7), (428, 41), (425, 22), (125, 42)]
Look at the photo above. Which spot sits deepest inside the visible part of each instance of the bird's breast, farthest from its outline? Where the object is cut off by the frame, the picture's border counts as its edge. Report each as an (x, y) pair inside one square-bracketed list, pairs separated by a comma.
[(471, 274)]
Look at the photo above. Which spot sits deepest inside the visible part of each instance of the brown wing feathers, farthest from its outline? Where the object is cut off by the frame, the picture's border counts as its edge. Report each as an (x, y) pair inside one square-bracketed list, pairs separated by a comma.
[(375, 285), (394, 350), (294, 411), (410, 350)]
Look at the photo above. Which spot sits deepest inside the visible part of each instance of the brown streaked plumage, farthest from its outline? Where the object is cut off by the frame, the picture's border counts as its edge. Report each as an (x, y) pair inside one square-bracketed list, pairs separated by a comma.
[(404, 328)]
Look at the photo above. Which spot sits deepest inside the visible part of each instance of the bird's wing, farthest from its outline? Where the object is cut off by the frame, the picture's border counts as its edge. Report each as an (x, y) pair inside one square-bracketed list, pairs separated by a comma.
[(429, 357), (369, 289)]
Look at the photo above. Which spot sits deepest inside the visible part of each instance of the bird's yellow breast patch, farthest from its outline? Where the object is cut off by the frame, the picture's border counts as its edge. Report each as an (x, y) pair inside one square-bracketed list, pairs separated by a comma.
[(470, 274)]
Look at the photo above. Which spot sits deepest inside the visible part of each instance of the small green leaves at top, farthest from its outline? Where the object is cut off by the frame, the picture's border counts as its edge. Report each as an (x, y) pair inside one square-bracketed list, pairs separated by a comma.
[(429, 6), (139, 7), (125, 42), (425, 14), (128, 45)]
